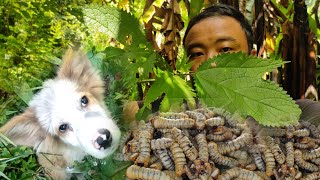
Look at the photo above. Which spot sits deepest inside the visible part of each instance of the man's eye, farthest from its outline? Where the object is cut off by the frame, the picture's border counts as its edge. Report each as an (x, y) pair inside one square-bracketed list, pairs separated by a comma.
[(225, 49), (197, 54)]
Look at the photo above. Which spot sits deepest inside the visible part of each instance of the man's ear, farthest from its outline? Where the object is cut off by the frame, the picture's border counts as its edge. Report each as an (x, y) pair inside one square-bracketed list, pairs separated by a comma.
[(24, 129)]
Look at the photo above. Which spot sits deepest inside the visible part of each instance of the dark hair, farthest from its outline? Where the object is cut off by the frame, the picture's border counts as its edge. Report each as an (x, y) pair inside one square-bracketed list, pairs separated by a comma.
[(223, 10)]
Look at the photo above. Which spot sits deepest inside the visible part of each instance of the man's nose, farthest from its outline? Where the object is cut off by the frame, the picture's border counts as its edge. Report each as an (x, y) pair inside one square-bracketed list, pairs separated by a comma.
[(211, 54)]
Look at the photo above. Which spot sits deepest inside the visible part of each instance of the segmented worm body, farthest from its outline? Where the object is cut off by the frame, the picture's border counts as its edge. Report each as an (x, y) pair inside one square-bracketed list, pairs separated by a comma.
[(202, 146), (239, 173), (165, 159), (188, 148), (161, 143), (304, 164), (218, 158), (145, 148), (160, 122), (214, 144), (179, 158), (137, 172)]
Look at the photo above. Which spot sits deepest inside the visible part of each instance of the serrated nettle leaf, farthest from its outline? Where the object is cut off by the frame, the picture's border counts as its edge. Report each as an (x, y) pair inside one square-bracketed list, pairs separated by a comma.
[(130, 54), (130, 61), (175, 88), (240, 63), (144, 67), (183, 63), (114, 22), (244, 92), (112, 52)]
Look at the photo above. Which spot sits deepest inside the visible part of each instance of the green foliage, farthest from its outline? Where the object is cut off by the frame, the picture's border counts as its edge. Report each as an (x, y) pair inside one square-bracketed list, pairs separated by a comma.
[(313, 26), (5, 113), (233, 82), (195, 8), (174, 87), (18, 162), (103, 169), (115, 23), (32, 36), (130, 61), (137, 7), (286, 12), (119, 68), (312, 18)]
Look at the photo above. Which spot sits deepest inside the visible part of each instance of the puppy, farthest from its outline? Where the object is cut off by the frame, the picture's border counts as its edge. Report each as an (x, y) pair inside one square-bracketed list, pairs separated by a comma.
[(67, 119)]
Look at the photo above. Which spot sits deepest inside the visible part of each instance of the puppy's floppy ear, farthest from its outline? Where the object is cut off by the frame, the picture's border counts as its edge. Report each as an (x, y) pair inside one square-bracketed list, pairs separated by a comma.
[(77, 68), (24, 129)]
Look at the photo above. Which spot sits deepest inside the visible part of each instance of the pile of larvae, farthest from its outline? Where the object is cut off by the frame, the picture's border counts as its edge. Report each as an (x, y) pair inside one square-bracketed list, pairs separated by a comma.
[(213, 144)]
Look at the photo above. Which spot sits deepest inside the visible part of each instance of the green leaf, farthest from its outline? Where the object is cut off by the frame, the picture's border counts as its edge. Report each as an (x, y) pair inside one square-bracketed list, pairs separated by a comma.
[(240, 64), (7, 112), (175, 89), (112, 52), (313, 26), (114, 169), (286, 12), (96, 59), (5, 141), (130, 61), (3, 175), (144, 67), (54, 60), (24, 92), (116, 23), (106, 168), (195, 7), (183, 64), (143, 113), (278, 43), (2, 167), (235, 84), (131, 58)]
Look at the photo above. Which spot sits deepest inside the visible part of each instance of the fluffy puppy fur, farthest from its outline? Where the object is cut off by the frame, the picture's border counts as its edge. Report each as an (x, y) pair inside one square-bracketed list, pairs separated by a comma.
[(67, 119)]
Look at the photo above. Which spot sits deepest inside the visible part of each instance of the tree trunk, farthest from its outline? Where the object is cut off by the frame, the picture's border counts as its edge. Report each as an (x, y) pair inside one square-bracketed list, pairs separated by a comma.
[(258, 26), (300, 72)]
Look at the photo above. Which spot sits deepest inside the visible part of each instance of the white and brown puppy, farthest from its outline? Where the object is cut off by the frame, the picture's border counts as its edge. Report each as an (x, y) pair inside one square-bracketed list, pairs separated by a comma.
[(67, 119)]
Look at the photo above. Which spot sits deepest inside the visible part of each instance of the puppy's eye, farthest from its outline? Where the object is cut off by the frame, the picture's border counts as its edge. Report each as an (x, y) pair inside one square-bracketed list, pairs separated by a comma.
[(84, 101), (63, 127)]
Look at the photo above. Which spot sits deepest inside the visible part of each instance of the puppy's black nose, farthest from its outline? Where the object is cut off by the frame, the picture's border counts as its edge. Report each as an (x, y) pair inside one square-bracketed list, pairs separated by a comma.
[(105, 139)]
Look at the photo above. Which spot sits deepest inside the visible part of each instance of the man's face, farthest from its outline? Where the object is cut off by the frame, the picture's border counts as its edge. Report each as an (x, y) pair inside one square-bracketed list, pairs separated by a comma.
[(212, 36)]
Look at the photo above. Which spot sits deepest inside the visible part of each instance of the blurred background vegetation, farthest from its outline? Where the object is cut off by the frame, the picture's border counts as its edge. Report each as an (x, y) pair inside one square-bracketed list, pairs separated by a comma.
[(126, 40)]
